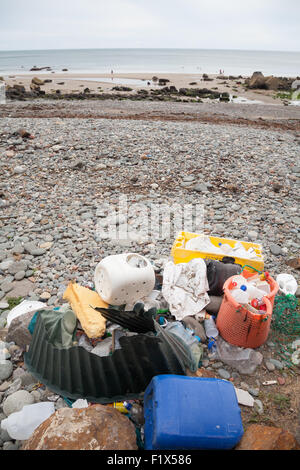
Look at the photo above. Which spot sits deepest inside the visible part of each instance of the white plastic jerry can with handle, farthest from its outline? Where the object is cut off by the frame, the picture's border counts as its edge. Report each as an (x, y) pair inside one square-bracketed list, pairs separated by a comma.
[(124, 279)]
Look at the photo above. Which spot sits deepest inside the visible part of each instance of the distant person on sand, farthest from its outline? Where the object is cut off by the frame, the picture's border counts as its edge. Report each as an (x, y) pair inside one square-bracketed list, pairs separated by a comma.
[(112, 74)]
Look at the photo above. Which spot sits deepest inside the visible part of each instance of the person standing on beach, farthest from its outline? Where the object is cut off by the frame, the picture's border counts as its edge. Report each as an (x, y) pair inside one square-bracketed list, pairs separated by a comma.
[(112, 74)]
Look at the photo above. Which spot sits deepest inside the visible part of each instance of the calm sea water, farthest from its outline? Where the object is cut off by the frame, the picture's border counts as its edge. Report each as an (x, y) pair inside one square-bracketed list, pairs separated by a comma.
[(196, 61)]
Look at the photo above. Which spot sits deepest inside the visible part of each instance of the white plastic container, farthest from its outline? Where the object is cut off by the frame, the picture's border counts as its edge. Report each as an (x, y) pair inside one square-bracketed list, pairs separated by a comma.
[(241, 295), (124, 279), (239, 279)]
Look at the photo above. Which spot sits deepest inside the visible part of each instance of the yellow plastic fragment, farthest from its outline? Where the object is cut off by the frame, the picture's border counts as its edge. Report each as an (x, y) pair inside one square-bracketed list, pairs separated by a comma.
[(82, 300)]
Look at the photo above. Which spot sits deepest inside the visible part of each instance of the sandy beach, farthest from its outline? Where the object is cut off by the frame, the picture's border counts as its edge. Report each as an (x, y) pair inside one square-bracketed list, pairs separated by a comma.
[(104, 83)]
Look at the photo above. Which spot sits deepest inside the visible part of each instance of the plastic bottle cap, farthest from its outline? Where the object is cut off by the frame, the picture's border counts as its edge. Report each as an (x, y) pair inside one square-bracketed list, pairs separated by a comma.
[(220, 244), (232, 285), (127, 405), (244, 288)]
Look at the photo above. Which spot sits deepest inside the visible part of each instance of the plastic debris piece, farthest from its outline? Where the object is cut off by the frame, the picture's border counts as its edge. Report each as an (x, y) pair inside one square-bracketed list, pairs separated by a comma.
[(185, 288), (124, 279), (244, 360), (60, 324), (137, 321), (287, 284), (122, 375), (244, 397), (104, 348), (24, 307), (270, 382), (81, 299), (22, 424)]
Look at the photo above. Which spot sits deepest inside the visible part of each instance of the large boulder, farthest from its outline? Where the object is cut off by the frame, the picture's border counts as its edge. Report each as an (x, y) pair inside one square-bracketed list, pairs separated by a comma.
[(97, 427), (37, 81), (259, 437), (273, 83), (257, 81)]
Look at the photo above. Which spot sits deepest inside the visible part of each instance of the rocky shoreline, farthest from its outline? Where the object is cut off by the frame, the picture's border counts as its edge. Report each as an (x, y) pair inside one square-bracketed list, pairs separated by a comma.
[(222, 89)]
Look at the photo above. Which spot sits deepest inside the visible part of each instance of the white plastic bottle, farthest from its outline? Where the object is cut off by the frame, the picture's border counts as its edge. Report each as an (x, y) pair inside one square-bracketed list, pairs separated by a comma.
[(255, 293), (239, 280), (264, 286), (176, 328), (241, 295)]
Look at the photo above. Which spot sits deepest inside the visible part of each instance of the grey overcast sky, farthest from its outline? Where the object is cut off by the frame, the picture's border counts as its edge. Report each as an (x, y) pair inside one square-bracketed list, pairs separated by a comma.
[(209, 24)]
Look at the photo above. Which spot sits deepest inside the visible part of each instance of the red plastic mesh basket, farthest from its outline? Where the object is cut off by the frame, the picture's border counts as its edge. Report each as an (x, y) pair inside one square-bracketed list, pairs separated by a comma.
[(239, 326)]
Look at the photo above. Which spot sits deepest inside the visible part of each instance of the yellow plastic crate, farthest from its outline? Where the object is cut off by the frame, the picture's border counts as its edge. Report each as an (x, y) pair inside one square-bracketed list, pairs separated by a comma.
[(182, 255)]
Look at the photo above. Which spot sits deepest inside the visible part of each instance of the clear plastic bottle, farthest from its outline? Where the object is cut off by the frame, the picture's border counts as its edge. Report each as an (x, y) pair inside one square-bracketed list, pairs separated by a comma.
[(241, 295), (176, 328), (212, 333), (211, 330), (264, 286), (136, 412), (188, 339), (255, 293)]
